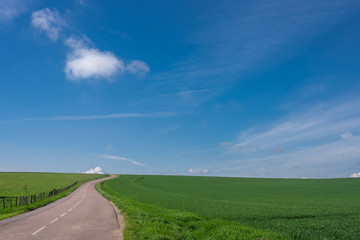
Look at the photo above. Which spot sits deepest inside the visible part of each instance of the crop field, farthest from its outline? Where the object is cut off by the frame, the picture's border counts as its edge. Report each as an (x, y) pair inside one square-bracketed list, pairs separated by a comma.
[(179, 207), (21, 184)]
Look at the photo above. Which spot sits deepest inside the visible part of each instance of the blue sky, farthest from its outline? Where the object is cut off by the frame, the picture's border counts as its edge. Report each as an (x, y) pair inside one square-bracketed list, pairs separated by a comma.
[(219, 88)]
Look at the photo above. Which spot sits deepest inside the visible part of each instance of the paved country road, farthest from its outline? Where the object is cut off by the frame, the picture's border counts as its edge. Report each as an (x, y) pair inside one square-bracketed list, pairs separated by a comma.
[(84, 214)]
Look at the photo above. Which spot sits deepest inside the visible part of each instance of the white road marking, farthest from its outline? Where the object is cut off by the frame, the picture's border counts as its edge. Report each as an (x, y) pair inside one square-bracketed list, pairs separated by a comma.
[(84, 194), (38, 230), (54, 220)]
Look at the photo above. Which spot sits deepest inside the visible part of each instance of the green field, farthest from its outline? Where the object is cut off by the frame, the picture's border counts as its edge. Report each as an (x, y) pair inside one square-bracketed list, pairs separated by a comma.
[(178, 207), (20, 184)]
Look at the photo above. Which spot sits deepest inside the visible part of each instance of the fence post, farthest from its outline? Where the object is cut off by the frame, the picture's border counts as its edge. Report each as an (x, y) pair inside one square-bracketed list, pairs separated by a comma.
[(3, 202)]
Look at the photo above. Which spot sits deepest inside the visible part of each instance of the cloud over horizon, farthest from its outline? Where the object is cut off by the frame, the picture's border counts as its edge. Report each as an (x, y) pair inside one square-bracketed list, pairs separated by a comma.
[(197, 171), (96, 170)]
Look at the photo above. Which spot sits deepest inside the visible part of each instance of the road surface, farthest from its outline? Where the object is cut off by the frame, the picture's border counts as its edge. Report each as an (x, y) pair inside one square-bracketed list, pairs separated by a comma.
[(83, 215)]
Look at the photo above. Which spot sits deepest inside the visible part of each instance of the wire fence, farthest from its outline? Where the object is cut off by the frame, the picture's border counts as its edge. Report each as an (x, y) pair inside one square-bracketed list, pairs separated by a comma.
[(18, 201)]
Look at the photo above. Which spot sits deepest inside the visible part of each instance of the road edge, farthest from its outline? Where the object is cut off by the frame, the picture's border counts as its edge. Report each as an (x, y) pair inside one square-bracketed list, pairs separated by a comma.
[(119, 216), (120, 219)]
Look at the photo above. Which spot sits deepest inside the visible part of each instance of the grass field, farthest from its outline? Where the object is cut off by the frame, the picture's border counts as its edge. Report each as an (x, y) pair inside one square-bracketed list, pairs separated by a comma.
[(237, 208), (20, 184)]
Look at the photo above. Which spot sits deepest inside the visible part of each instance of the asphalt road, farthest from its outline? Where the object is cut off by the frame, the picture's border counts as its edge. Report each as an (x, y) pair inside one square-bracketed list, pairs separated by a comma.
[(83, 215)]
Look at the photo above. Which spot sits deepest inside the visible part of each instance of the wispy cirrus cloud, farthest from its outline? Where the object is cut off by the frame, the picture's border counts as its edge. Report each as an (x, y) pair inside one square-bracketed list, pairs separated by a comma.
[(192, 98), (332, 159), (10, 9), (244, 40), (170, 128), (309, 139), (321, 122), (48, 21), (118, 158), (98, 117), (194, 95)]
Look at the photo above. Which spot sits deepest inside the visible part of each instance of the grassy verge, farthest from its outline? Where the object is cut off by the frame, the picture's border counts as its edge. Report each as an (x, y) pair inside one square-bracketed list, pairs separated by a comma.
[(12, 184), (145, 221)]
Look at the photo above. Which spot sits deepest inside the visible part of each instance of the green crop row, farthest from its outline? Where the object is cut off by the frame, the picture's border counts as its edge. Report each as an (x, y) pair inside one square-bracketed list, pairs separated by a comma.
[(267, 208), (145, 221)]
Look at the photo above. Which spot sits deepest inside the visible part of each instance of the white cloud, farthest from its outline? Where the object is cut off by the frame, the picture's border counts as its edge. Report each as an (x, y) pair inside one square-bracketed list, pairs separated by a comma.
[(197, 171), (48, 21), (355, 175), (84, 62), (346, 135), (96, 170), (91, 63), (112, 157)]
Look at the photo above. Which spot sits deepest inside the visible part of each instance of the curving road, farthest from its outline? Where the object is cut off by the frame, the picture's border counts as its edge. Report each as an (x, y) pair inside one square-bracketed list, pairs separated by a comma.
[(82, 215)]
